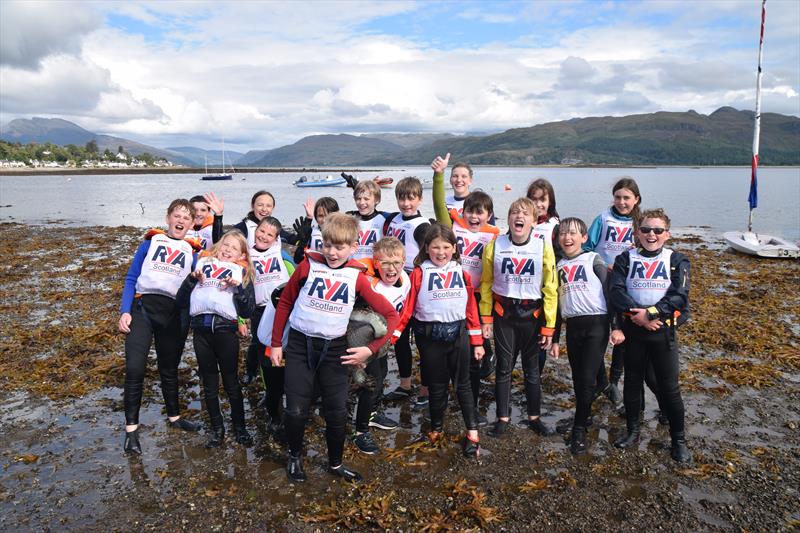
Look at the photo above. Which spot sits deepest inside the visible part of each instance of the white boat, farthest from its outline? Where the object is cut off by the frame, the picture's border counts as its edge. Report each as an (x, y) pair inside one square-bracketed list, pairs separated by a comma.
[(749, 242), (327, 181)]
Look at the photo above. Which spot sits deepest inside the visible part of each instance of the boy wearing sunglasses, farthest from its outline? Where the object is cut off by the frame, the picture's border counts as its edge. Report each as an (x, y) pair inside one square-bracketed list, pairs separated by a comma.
[(650, 286)]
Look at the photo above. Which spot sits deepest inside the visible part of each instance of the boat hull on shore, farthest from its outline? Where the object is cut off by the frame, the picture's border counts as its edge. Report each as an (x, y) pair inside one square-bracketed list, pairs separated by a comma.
[(755, 244)]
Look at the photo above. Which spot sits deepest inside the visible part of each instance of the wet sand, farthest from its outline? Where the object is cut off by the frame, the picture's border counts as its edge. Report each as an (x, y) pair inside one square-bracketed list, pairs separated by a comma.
[(61, 416)]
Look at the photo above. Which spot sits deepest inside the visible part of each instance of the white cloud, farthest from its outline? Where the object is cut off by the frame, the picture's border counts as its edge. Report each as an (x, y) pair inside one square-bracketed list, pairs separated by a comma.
[(268, 73), (31, 31)]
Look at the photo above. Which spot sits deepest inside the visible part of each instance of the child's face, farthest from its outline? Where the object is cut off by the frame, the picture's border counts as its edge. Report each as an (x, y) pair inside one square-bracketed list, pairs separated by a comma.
[(461, 181), (265, 236), (319, 215), (440, 251), (649, 240), (263, 206), (409, 205), (625, 201), (541, 200), (337, 254), (477, 218), (365, 203), (389, 266), (520, 223), (571, 239), (230, 250), (201, 212), (178, 222)]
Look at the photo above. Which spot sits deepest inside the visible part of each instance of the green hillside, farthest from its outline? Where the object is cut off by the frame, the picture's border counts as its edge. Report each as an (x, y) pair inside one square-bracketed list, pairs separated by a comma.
[(664, 138)]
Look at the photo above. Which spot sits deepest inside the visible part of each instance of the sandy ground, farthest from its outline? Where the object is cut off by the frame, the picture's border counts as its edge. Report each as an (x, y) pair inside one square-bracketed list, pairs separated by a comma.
[(62, 465)]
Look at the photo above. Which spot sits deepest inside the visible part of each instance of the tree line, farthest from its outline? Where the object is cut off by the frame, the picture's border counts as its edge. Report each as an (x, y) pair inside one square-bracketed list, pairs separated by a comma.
[(47, 152)]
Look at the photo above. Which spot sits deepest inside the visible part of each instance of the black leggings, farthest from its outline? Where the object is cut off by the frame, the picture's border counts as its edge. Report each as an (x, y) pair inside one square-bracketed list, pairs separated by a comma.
[(587, 337), (615, 372), (512, 337), (273, 377), (255, 349), (168, 352), (658, 349), (368, 399), (318, 366), (402, 352), (218, 353), (443, 362)]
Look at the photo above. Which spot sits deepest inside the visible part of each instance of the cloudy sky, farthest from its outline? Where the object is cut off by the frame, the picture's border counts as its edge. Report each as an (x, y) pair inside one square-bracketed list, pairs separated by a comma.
[(265, 74)]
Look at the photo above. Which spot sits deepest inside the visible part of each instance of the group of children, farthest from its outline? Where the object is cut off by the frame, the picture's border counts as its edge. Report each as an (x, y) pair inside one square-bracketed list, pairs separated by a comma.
[(471, 295)]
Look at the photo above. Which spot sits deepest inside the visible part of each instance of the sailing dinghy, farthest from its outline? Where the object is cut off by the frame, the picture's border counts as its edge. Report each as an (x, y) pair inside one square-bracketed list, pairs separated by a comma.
[(749, 242)]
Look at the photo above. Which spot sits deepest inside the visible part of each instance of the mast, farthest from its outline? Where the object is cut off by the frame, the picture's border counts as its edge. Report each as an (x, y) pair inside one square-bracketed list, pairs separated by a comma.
[(753, 196), (223, 146)]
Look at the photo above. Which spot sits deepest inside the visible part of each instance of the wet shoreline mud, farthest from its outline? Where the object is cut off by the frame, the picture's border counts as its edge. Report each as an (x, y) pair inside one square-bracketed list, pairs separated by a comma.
[(62, 466)]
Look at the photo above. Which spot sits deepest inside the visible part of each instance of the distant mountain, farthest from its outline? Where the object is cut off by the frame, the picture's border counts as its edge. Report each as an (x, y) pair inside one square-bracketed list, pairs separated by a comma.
[(63, 132), (324, 150), (339, 149), (198, 156), (410, 140), (665, 138)]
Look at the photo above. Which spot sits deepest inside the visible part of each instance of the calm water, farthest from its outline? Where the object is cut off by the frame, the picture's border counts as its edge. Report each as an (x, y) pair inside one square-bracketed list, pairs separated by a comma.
[(713, 197)]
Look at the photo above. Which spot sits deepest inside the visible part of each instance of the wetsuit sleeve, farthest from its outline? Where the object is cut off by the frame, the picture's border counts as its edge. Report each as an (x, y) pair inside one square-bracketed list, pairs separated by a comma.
[(184, 295), (389, 218), (216, 229), (621, 301), (549, 291), (439, 203), (286, 303), (241, 226), (559, 319), (677, 297), (487, 280), (556, 245), (473, 319), (410, 303), (380, 305), (244, 300), (134, 271), (604, 275), (594, 234), (419, 233)]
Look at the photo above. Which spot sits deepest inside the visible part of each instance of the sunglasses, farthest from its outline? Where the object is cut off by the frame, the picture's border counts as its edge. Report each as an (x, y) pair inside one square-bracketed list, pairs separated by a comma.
[(657, 231)]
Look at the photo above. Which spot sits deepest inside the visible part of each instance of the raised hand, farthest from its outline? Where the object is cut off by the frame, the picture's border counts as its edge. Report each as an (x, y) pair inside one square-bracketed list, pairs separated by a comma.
[(216, 204), (308, 205), (439, 164)]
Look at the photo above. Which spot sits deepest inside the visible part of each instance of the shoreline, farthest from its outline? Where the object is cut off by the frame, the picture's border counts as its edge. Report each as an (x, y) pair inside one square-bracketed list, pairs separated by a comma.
[(277, 170)]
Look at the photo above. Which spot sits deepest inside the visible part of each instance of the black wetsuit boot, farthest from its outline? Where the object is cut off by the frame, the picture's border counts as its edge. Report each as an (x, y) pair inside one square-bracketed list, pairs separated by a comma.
[(217, 434), (577, 443), (132, 442), (632, 438), (680, 452)]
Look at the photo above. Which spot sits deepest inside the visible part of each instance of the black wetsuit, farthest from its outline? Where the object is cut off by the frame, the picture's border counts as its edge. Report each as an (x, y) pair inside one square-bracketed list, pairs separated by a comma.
[(442, 363), (156, 317), (657, 348), (515, 335), (216, 347), (587, 338)]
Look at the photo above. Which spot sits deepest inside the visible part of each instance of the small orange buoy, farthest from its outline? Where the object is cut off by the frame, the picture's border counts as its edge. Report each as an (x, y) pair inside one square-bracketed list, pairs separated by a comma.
[(507, 187)]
